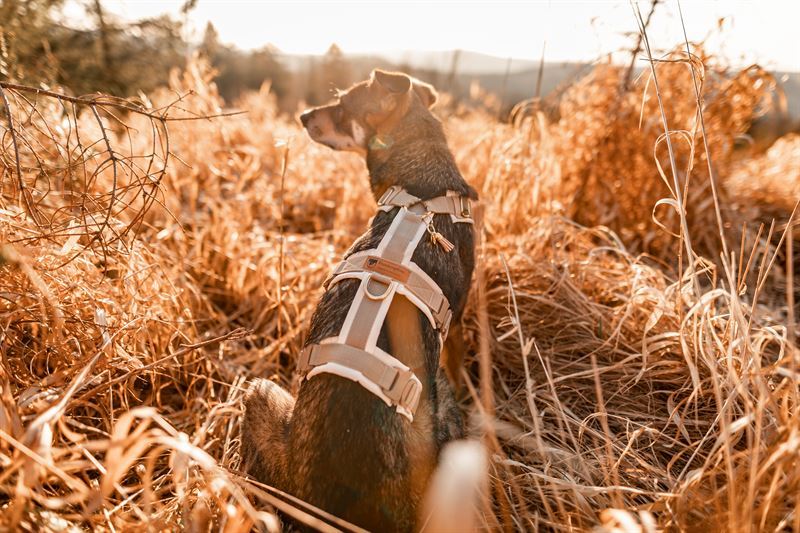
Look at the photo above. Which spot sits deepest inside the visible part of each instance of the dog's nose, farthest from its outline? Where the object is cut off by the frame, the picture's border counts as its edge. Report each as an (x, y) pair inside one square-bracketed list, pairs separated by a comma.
[(305, 117)]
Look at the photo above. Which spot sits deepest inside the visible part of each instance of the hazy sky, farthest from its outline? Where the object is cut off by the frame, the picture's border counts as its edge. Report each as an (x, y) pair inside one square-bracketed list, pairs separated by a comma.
[(762, 30)]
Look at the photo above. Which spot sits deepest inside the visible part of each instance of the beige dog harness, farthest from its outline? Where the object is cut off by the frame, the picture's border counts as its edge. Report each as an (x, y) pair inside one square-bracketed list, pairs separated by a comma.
[(385, 271)]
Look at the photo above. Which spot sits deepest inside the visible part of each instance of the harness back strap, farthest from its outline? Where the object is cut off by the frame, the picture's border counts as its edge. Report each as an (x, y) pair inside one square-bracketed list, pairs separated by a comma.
[(383, 272)]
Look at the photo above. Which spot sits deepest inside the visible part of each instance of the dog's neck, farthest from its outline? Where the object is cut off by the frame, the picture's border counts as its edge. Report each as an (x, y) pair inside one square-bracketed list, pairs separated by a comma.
[(414, 156)]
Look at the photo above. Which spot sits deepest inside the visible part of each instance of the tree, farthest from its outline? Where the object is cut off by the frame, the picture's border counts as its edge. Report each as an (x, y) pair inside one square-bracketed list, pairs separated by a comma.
[(210, 43), (111, 56), (335, 72), (242, 71), (24, 28)]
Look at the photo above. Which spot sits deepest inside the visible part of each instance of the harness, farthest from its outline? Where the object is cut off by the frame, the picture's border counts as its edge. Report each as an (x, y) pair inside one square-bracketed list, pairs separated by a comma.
[(384, 272)]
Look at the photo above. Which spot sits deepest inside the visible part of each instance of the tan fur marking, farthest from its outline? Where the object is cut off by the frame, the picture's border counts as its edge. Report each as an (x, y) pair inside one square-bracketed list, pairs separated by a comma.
[(405, 335), (359, 135), (405, 341), (452, 358)]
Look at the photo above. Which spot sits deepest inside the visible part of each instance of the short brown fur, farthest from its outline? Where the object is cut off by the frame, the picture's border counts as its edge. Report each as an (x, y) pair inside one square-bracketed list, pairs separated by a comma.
[(338, 446)]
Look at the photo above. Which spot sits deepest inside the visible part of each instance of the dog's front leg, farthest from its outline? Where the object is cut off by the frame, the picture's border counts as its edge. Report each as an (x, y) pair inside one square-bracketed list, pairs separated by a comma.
[(265, 425), (452, 358)]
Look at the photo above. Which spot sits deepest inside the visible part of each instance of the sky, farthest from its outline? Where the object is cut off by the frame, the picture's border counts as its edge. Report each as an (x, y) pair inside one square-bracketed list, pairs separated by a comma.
[(764, 31)]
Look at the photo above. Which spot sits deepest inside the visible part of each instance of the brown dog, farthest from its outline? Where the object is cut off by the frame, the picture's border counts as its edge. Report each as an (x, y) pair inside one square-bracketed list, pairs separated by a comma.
[(355, 443)]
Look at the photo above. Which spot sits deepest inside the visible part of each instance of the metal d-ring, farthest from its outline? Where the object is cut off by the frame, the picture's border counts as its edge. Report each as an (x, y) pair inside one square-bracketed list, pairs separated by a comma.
[(381, 280)]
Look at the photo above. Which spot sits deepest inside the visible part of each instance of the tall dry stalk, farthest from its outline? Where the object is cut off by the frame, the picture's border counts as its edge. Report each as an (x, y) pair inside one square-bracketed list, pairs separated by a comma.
[(613, 387)]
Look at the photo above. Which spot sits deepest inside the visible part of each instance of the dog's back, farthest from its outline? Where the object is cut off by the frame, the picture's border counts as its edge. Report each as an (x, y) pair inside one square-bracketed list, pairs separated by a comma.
[(369, 464)]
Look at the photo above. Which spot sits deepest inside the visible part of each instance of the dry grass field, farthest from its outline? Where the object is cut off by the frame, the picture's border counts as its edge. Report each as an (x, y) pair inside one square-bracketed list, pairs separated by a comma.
[(632, 325)]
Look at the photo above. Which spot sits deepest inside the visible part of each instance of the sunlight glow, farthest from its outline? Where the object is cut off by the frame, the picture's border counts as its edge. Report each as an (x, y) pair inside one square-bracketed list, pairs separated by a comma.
[(762, 31)]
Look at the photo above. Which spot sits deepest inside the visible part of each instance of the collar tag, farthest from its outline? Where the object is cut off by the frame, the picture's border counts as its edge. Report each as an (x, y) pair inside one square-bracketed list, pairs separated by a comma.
[(380, 142)]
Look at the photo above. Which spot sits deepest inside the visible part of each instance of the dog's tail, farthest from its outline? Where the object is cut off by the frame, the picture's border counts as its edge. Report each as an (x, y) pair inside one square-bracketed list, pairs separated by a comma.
[(457, 493)]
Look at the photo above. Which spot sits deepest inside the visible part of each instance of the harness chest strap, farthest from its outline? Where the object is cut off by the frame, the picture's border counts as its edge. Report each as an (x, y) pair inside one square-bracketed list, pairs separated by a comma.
[(458, 207), (383, 272), (399, 385)]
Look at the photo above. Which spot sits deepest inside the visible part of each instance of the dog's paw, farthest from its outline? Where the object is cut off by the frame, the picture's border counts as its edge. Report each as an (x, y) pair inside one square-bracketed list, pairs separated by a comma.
[(267, 413)]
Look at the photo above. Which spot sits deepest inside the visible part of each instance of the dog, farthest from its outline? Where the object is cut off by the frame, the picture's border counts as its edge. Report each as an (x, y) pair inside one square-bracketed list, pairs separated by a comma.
[(348, 445)]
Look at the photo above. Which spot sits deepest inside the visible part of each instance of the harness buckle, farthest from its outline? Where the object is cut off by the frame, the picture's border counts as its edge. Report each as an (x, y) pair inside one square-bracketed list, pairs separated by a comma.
[(389, 194), (304, 361), (446, 323), (466, 207), (405, 390), (443, 314), (342, 266), (409, 398)]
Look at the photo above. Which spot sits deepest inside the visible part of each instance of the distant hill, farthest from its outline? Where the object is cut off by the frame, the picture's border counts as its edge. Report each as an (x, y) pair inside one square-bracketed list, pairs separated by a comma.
[(468, 62), (512, 80)]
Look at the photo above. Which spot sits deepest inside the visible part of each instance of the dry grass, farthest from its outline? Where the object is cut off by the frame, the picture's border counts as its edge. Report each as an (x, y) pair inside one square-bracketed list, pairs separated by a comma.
[(629, 381)]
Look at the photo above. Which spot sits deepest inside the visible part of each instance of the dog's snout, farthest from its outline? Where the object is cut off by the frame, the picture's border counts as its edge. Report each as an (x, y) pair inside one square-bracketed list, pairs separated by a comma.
[(305, 117)]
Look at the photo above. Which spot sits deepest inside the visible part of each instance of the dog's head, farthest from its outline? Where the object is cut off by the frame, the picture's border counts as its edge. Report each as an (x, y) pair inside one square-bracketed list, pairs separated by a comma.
[(366, 110)]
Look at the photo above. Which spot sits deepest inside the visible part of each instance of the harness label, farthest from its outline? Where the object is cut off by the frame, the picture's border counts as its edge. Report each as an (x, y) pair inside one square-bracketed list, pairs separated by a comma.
[(388, 268)]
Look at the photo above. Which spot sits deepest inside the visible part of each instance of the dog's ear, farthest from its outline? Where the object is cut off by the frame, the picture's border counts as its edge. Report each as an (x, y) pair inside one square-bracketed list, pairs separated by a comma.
[(393, 82), (426, 93), (393, 95)]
